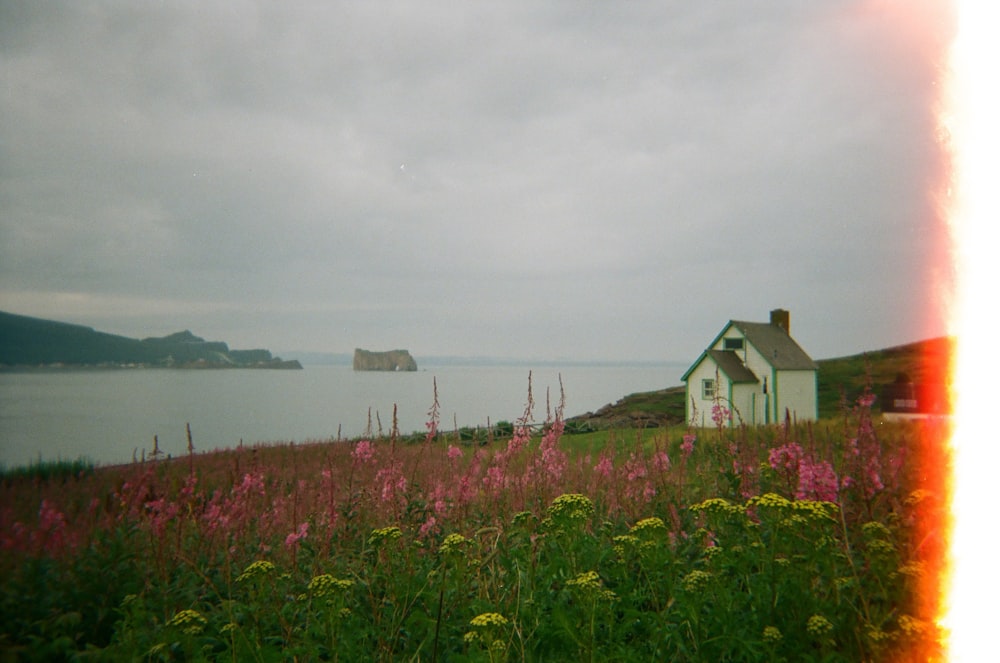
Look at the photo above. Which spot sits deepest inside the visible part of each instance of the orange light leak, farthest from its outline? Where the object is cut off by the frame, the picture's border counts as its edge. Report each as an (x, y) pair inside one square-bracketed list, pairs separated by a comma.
[(972, 118)]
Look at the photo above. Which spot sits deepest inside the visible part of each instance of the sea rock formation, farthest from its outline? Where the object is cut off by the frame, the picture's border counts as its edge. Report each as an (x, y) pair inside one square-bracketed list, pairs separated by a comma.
[(390, 360)]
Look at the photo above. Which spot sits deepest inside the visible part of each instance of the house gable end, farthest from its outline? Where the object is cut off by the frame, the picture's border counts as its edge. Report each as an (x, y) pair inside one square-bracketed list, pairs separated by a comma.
[(694, 367)]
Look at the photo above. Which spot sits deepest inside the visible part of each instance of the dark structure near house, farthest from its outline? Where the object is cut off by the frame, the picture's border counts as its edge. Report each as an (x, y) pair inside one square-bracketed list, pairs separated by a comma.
[(905, 399)]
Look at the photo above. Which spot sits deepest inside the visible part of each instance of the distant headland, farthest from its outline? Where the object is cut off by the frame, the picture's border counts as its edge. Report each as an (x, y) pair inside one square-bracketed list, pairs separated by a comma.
[(390, 360), (27, 342)]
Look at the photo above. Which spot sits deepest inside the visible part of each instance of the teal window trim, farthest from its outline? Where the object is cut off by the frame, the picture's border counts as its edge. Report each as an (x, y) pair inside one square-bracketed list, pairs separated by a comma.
[(774, 394), (730, 406)]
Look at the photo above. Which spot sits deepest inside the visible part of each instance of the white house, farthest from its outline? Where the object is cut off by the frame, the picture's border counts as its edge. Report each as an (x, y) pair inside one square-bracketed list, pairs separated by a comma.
[(757, 371)]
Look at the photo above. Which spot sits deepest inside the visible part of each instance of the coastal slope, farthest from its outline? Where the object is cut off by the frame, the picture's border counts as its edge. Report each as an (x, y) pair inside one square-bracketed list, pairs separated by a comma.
[(35, 342)]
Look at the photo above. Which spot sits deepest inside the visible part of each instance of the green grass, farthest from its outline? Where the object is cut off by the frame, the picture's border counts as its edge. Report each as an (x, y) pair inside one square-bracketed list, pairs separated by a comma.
[(840, 380), (48, 470), (810, 542)]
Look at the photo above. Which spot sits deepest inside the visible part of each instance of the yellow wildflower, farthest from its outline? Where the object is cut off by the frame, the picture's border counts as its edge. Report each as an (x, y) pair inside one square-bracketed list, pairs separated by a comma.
[(571, 506), (488, 619), (911, 626), (258, 569), (818, 625), (189, 621), (648, 526), (696, 580), (453, 543), (384, 534), (327, 585)]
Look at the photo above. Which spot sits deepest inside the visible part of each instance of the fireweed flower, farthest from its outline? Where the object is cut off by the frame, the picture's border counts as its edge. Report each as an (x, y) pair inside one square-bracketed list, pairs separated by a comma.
[(720, 414), (605, 466), (292, 540), (428, 527), (363, 451), (687, 446)]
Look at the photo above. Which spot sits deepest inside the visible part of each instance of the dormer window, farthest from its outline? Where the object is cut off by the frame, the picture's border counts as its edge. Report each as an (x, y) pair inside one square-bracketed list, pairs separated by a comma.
[(732, 344)]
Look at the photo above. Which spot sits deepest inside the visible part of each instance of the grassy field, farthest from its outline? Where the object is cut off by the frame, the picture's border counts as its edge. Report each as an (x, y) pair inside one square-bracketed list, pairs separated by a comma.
[(813, 542)]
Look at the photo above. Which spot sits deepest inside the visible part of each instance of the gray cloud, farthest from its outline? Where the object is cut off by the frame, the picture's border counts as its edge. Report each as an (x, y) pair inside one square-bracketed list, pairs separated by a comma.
[(534, 180)]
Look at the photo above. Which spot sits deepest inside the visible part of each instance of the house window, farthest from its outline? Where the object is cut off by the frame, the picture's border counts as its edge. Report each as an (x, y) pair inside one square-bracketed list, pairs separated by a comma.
[(708, 389), (732, 343)]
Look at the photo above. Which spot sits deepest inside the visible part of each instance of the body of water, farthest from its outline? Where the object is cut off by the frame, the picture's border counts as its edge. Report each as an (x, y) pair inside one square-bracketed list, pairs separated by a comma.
[(111, 416)]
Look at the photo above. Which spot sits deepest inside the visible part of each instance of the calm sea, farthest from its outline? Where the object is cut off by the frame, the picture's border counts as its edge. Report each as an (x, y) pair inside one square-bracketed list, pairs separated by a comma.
[(110, 416)]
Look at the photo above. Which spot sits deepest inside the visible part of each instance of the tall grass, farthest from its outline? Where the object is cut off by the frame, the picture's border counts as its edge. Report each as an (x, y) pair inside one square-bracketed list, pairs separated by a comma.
[(47, 470), (790, 542)]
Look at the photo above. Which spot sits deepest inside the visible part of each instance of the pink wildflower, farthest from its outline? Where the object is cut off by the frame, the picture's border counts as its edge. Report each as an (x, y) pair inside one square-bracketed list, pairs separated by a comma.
[(720, 414), (454, 452), (687, 446), (393, 483), (363, 451), (429, 526), (605, 466), (51, 528), (292, 540), (635, 468), (817, 481), (661, 461)]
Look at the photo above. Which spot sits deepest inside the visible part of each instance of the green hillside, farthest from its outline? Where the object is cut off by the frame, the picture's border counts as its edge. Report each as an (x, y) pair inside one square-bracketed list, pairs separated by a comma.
[(27, 342), (840, 380)]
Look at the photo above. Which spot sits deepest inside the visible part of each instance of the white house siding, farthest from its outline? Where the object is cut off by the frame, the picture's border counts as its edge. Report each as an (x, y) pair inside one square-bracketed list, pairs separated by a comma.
[(700, 413), (748, 398), (748, 404), (788, 387), (796, 393), (742, 397)]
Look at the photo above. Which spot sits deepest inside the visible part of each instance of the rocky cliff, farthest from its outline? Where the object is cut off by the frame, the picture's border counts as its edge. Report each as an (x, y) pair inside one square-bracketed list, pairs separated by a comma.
[(390, 360)]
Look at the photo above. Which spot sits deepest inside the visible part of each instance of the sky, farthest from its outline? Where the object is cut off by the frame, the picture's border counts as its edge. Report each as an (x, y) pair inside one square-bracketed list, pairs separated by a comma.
[(538, 180)]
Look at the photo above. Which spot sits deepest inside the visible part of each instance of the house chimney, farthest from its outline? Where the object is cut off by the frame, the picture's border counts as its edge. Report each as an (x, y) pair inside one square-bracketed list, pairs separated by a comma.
[(780, 317)]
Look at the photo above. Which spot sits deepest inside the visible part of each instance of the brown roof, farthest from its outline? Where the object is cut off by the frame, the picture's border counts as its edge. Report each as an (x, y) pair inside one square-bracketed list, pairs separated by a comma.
[(730, 364), (776, 345)]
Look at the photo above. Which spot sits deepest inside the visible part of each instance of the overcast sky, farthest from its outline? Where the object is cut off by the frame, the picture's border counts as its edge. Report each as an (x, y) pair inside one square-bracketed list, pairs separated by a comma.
[(534, 179)]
